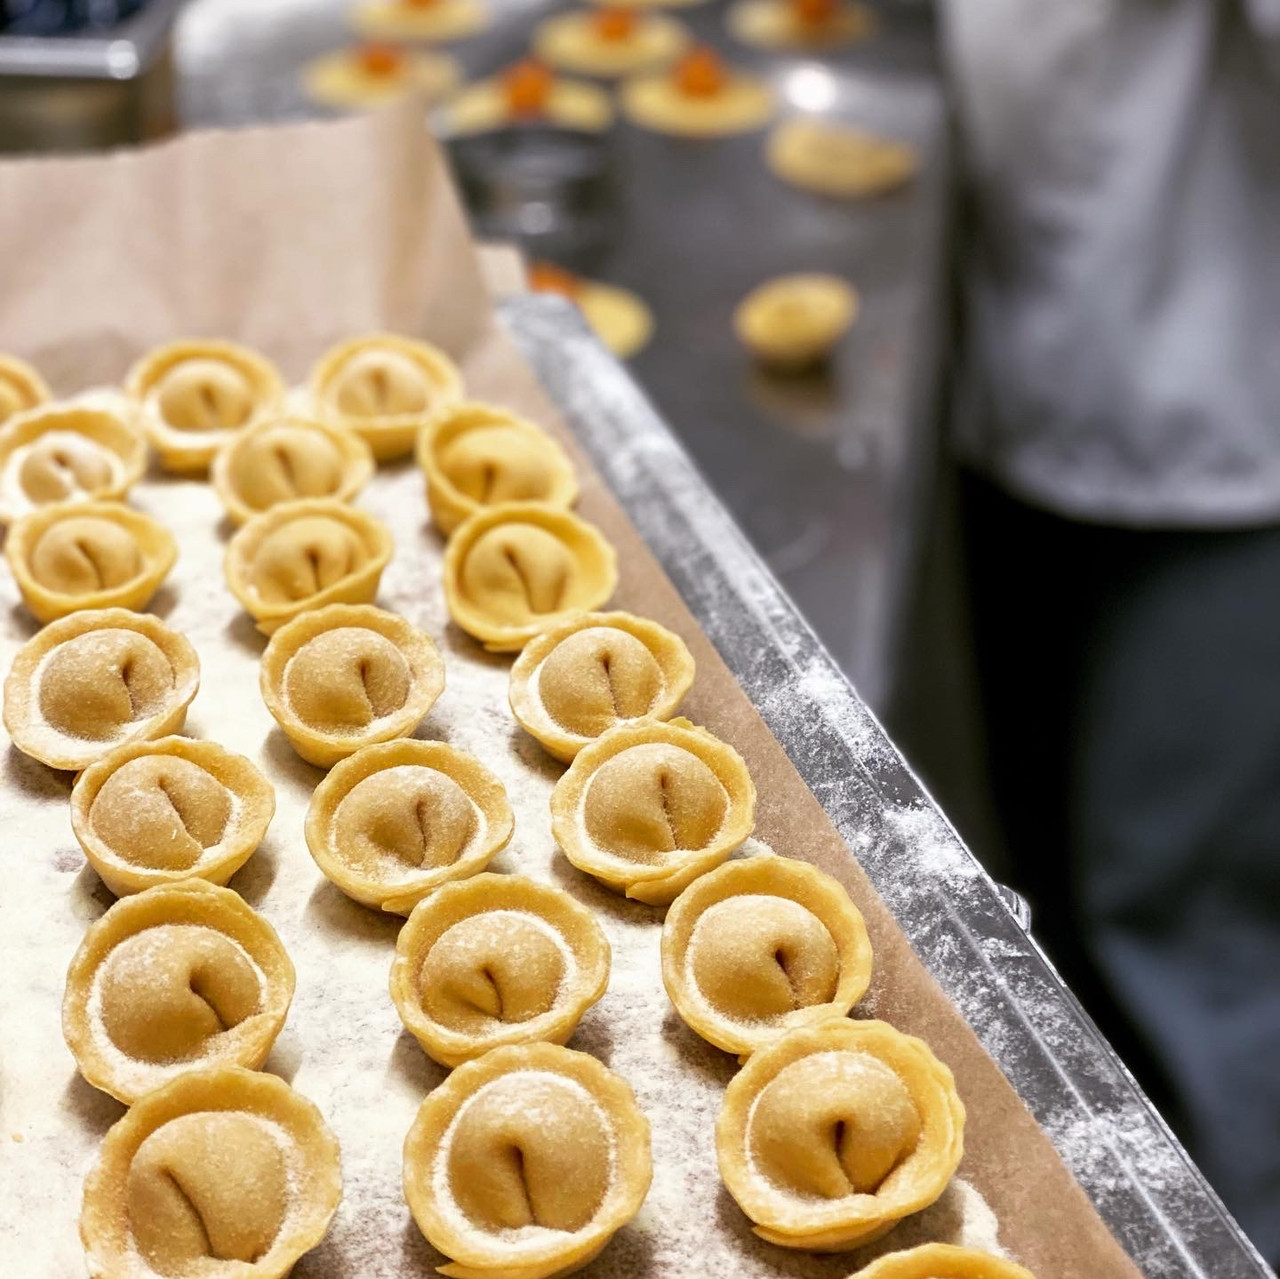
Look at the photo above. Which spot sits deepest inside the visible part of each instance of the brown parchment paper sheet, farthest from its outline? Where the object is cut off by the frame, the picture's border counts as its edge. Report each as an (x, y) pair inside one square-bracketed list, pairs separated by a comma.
[(289, 239)]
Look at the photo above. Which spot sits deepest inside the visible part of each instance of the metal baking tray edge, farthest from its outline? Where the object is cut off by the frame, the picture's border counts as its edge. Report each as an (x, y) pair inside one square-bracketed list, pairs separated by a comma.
[(1140, 1179)]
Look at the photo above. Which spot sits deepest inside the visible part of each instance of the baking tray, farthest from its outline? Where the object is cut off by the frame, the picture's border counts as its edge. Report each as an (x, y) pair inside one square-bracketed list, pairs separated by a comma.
[(1142, 1182)]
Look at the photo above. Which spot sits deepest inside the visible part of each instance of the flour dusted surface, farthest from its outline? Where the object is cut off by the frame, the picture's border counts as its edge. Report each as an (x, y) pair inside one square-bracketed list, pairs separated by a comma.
[(343, 1045)]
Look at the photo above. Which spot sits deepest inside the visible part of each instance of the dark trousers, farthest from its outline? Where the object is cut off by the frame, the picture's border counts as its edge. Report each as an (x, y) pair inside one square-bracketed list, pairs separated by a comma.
[(1130, 688)]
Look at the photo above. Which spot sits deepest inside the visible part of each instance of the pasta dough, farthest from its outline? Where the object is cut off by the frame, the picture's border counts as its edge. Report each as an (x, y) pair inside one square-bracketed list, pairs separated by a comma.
[(194, 396), (435, 21), (21, 387), (177, 976), (836, 159), (394, 822), (528, 93), (287, 459), (95, 680), (66, 453), (303, 555), (525, 1162), (794, 321), (222, 1173), (87, 555), (157, 812), (832, 1134), (514, 570), (611, 41), (595, 672), (375, 74), (476, 455), (617, 316), (700, 97), (494, 960), (942, 1261), (760, 946), (801, 24), (339, 678), (384, 388), (649, 808)]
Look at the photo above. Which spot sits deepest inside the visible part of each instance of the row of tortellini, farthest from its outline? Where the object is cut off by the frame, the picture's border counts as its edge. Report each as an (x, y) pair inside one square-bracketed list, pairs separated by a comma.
[(285, 469)]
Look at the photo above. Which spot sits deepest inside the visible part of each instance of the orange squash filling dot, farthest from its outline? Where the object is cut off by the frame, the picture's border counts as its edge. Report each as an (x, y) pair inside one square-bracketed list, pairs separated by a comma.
[(380, 59), (615, 25), (701, 73), (527, 86), (546, 277), (814, 13)]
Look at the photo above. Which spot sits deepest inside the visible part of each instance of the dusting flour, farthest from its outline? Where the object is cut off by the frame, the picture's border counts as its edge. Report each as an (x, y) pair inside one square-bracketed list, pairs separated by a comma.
[(343, 1045)]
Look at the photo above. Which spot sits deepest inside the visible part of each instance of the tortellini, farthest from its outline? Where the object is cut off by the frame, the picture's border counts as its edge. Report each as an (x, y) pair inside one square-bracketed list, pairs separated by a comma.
[(514, 570), (384, 388), (699, 97), (223, 1173), (942, 1261), (832, 1134), (476, 455), (66, 453), (395, 821), (21, 387), (795, 321), (193, 397), (646, 810), (96, 680), (595, 672), (88, 555), (303, 555), (494, 960), (759, 946), (285, 460), (346, 676), (177, 976), (838, 160), (609, 41), (157, 812), (526, 1162), (435, 21), (801, 25)]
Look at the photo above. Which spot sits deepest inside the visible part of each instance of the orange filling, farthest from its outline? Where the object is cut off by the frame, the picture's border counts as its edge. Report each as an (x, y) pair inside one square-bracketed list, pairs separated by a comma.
[(546, 277), (615, 24), (701, 74), (419, 4), (527, 86), (380, 59), (814, 13)]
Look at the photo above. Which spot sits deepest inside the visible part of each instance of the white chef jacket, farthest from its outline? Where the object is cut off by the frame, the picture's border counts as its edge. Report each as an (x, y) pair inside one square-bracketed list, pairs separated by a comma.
[(1120, 272)]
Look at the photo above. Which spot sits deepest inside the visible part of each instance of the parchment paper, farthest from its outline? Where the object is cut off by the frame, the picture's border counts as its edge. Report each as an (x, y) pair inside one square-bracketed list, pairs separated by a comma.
[(290, 239)]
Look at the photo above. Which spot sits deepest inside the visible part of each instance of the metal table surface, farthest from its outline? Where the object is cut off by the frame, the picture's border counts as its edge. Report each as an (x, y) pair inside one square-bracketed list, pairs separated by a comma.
[(1141, 1181), (818, 471)]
